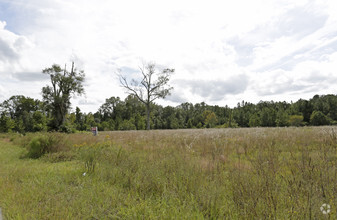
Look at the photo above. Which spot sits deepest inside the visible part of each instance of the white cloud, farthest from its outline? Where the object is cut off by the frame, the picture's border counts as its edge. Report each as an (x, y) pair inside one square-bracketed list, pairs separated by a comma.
[(274, 43), (11, 47), (305, 80)]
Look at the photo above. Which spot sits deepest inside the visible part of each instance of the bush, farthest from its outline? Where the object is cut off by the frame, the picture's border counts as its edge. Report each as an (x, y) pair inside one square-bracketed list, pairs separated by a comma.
[(38, 146), (42, 144)]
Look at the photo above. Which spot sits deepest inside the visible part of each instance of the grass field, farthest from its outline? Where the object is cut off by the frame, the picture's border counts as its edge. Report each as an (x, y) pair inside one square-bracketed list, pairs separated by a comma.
[(253, 173)]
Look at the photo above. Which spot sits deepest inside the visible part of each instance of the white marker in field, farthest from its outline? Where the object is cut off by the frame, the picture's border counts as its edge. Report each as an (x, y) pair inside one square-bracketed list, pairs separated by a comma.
[(325, 209)]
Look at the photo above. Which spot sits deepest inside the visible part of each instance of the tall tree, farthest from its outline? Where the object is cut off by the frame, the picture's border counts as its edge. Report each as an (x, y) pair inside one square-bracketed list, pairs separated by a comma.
[(64, 85), (154, 85)]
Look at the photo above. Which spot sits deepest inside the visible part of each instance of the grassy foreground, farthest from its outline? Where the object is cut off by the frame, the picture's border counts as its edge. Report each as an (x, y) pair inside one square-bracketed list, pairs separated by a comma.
[(263, 173)]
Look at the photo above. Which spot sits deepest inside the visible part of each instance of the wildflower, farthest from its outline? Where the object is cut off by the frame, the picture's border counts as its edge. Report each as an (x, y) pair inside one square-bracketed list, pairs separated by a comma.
[(84, 173)]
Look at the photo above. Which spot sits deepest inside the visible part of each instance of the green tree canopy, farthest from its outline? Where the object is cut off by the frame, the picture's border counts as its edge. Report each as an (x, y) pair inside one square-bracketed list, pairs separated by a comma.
[(296, 120), (64, 85), (319, 118)]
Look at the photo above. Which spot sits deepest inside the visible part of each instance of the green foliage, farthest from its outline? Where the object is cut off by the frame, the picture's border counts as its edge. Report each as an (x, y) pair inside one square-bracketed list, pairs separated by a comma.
[(318, 118), (6, 123), (22, 114), (43, 143), (89, 121), (57, 97), (228, 124), (254, 121), (172, 122), (189, 123), (127, 125), (67, 127), (60, 156), (39, 121), (210, 119), (40, 145), (296, 120), (140, 122), (282, 119), (255, 173), (89, 156), (268, 117), (154, 85), (305, 108)]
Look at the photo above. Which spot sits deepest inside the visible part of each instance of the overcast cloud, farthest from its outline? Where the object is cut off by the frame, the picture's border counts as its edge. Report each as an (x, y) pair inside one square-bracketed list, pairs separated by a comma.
[(223, 51)]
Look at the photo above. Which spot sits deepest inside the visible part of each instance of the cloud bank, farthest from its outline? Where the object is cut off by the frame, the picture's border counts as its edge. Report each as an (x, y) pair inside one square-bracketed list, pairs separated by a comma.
[(222, 52)]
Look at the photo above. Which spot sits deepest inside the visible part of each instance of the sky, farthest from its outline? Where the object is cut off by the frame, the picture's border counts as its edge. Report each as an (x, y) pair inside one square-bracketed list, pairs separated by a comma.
[(222, 51)]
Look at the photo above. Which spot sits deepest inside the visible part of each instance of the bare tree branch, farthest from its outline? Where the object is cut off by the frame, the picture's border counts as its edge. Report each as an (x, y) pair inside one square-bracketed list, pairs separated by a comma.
[(153, 86), (130, 90)]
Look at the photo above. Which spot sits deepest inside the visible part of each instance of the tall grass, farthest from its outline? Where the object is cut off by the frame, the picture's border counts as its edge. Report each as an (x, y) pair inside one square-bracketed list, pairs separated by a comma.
[(259, 173)]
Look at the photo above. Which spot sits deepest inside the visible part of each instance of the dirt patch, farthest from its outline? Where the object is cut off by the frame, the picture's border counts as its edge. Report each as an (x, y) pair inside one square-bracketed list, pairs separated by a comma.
[(7, 140)]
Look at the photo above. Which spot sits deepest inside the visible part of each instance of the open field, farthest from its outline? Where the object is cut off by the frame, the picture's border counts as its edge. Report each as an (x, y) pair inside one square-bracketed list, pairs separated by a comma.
[(279, 173)]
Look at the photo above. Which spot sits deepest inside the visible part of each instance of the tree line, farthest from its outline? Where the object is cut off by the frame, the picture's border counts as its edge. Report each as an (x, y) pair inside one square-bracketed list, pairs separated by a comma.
[(138, 110), (23, 114)]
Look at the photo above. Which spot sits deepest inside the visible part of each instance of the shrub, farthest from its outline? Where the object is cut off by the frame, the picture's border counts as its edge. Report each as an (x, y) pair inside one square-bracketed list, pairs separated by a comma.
[(46, 143), (38, 146), (319, 118)]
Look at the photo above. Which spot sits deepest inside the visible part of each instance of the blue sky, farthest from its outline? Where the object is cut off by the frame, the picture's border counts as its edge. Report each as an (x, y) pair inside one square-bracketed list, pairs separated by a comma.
[(223, 51)]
